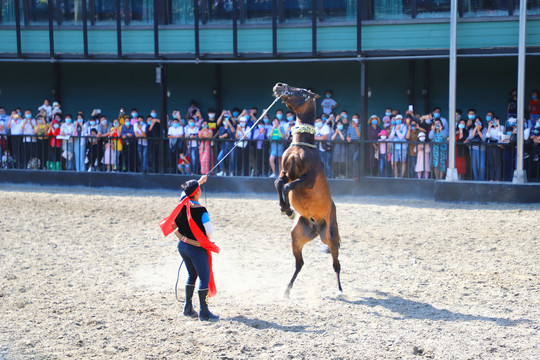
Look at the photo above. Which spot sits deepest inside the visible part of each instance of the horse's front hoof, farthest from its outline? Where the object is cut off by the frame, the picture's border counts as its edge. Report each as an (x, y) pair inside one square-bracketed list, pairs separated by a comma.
[(339, 294), (289, 213)]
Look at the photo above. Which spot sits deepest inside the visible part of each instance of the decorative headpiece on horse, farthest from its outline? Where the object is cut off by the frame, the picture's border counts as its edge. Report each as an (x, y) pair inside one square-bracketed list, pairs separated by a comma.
[(293, 97)]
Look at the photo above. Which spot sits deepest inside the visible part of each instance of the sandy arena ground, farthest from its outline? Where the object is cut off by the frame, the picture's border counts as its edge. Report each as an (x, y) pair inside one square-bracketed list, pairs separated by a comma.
[(86, 273)]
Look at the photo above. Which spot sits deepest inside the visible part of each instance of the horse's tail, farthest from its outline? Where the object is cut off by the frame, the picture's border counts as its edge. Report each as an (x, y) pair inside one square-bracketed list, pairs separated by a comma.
[(334, 231)]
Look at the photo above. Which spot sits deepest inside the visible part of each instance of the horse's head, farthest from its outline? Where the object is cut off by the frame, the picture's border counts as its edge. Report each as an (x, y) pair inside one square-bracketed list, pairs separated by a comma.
[(296, 99)]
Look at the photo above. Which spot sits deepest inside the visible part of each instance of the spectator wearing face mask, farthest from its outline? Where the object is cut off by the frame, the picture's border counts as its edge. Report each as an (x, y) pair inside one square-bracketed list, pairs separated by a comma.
[(79, 145), (398, 135), (115, 140), (142, 144), (56, 110), (322, 135), (227, 133), (205, 148), (29, 142), (129, 147), (176, 145), (212, 120), (191, 132), (412, 136), (439, 149), (373, 130), (276, 136), (259, 134), (242, 150), (477, 138), (344, 117), (328, 104), (68, 151), (42, 144), (353, 138), (54, 162), (509, 140), (339, 150), (153, 133), (534, 106), (422, 157), (494, 135), (382, 153), (461, 151)]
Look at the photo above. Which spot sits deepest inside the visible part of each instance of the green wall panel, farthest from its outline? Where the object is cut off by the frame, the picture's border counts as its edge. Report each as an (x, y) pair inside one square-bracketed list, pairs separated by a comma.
[(341, 38), (102, 42), (177, 41), (216, 41), (255, 40), (34, 41), (294, 39), (137, 42), (68, 41), (8, 41)]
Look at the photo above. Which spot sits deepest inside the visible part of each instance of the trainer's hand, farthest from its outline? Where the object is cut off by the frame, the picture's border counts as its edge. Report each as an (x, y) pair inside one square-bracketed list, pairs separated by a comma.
[(203, 179)]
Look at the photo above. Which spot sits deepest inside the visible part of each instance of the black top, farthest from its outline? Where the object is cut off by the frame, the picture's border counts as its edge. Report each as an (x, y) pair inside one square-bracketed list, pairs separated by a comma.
[(155, 130), (181, 221)]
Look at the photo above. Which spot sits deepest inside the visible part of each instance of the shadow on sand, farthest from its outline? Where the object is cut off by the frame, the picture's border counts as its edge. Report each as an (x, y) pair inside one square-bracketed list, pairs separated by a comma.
[(410, 309), (263, 324)]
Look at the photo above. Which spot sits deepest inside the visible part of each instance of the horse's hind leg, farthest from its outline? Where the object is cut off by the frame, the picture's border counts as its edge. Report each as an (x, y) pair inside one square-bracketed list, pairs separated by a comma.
[(330, 236), (302, 233)]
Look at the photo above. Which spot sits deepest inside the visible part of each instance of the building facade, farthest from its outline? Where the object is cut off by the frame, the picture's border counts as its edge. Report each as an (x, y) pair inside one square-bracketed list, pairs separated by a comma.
[(224, 53)]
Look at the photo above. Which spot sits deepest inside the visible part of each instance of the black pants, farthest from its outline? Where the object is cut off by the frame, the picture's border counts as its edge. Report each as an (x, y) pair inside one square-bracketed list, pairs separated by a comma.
[(129, 153), (494, 162)]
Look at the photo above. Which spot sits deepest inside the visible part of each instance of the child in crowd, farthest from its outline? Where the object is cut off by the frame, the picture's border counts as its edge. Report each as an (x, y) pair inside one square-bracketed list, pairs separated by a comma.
[(328, 104), (382, 153), (422, 157), (183, 164)]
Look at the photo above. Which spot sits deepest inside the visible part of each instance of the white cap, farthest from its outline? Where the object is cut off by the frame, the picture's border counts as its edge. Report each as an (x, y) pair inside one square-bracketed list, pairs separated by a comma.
[(55, 104)]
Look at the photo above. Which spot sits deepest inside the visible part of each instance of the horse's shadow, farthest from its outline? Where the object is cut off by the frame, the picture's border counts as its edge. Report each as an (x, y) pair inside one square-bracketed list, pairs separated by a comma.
[(263, 324), (410, 309)]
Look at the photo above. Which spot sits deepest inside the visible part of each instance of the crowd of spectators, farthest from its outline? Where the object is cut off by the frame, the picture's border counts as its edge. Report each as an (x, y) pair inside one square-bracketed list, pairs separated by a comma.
[(404, 145)]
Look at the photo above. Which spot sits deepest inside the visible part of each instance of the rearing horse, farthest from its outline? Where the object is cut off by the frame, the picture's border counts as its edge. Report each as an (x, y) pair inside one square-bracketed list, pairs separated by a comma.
[(302, 182)]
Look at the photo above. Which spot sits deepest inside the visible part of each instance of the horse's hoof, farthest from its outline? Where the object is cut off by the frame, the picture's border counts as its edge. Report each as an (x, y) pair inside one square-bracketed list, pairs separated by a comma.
[(339, 294), (291, 215)]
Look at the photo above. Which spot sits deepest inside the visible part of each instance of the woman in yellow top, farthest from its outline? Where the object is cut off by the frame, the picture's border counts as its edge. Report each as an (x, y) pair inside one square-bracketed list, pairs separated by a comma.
[(41, 131), (116, 141)]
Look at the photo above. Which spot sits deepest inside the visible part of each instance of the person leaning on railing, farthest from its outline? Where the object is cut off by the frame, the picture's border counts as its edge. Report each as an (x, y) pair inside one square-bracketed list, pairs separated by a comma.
[(54, 162), (42, 144), (439, 149), (338, 150), (461, 152), (353, 137), (412, 136)]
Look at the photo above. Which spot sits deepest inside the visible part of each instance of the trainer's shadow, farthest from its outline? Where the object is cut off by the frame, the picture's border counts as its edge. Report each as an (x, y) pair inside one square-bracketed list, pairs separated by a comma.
[(263, 324), (410, 309)]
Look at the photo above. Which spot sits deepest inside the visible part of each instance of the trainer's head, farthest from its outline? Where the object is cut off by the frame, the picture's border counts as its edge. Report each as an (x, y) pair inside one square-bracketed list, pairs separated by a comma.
[(191, 189)]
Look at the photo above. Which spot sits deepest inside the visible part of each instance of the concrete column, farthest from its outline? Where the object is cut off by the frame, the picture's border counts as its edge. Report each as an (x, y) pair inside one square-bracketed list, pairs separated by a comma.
[(451, 173), (520, 176)]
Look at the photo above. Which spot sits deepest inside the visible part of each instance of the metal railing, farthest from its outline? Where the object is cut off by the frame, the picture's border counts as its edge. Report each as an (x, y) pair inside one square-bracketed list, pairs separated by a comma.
[(261, 158)]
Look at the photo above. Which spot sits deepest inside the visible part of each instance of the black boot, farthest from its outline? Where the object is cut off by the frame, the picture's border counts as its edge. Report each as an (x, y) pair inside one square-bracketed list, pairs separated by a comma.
[(205, 314), (188, 306)]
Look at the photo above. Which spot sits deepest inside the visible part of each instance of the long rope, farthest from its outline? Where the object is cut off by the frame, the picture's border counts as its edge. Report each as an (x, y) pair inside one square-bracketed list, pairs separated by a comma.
[(230, 151), (178, 278), (245, 133)]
